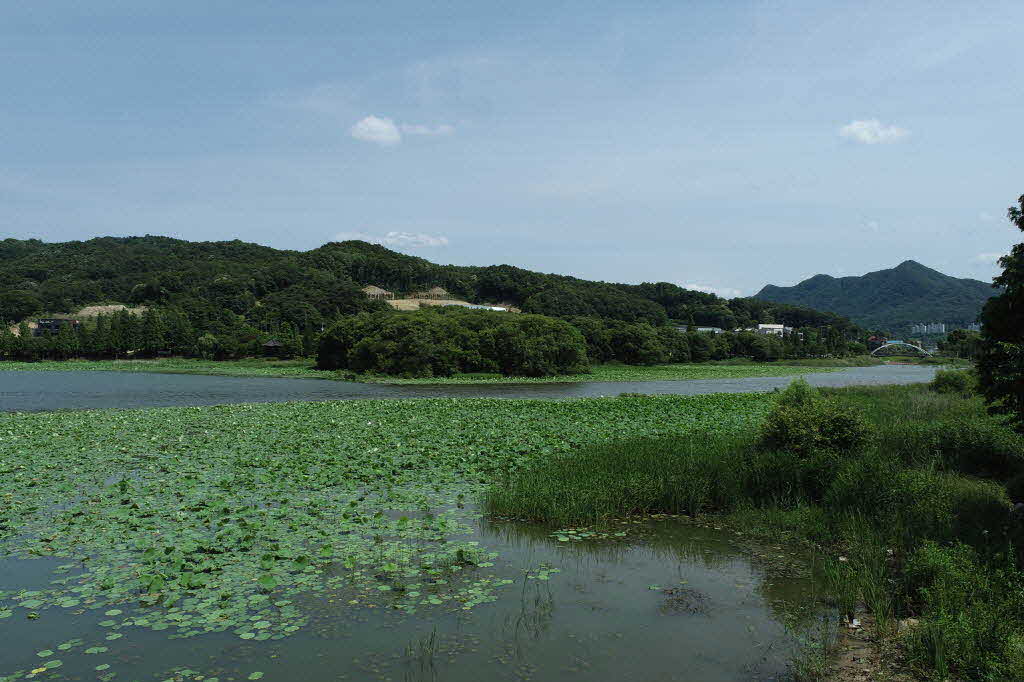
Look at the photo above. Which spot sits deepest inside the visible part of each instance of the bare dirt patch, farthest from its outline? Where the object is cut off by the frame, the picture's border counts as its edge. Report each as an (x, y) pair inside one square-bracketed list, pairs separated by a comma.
[(96, 310), (415, 303), (862, 656)]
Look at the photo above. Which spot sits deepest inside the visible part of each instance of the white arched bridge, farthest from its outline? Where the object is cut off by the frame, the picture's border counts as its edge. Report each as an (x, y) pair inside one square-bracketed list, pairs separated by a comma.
[(895, 344)]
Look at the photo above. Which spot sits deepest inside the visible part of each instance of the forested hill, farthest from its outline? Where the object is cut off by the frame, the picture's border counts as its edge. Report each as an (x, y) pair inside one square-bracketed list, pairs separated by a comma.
[(222, 283), (890, 299)]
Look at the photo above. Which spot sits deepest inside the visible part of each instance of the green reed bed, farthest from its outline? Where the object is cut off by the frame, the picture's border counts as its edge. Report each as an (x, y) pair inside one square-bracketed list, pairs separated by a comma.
[(904, 488)]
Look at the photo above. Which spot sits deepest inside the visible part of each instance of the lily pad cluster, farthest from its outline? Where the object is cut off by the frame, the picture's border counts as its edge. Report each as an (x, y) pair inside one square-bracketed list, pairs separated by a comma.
[(217, 519)]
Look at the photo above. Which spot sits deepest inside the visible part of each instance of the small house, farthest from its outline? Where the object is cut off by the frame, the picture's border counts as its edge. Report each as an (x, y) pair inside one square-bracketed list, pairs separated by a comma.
[(435, 293), (52, 326), (377, 294), (273, 348)]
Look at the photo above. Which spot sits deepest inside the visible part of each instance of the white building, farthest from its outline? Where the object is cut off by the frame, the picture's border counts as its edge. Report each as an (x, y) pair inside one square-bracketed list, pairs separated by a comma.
[(772, 329)]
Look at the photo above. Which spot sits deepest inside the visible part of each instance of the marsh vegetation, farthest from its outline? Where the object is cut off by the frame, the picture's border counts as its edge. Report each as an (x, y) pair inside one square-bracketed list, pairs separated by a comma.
[(902, 489)]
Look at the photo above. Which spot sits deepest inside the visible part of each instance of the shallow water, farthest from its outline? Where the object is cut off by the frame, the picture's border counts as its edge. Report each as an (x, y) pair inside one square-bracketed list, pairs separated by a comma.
[(676, 602), (42, 391)]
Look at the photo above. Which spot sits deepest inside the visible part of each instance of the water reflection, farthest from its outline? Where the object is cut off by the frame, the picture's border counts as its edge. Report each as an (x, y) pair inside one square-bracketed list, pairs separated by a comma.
[(39, 391), (674, 601)]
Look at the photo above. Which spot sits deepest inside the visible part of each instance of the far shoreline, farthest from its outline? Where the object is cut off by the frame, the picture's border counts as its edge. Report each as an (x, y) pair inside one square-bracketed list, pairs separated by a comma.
[(304, 368)]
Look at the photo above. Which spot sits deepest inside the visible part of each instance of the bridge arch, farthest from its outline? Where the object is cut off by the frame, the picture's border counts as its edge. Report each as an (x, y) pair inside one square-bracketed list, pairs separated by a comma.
[(901, 343)]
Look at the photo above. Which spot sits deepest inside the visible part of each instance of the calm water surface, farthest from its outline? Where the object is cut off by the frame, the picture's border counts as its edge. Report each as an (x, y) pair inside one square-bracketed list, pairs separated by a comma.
[(680, 603), (40, 391)]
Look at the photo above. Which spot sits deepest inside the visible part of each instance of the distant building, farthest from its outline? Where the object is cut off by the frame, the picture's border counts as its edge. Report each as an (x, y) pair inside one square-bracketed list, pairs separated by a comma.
[(973, 327), (496, 308), (377, 294), (928, 328), (769, 329), (273, 348), (53, 326), (436, 293), (708, 330)]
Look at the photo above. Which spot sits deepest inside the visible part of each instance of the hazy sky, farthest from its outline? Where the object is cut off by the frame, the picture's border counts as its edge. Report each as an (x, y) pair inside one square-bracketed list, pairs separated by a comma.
[(720, 145)]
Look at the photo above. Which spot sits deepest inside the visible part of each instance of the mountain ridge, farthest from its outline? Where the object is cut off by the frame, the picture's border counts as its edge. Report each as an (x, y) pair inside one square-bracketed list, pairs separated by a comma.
[(218, 283), (890, 299)]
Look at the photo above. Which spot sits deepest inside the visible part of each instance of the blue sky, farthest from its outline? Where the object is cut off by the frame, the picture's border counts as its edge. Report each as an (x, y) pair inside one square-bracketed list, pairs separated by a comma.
[(715, 145)]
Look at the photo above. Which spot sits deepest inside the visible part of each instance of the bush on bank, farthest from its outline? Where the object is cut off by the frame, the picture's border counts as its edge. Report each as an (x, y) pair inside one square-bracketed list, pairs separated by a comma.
[(953, 381), (805, 424)]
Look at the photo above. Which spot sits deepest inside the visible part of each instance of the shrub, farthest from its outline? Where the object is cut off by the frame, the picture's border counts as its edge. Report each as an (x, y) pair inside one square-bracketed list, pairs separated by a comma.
[(978, 445), (941, 506), (952, 381), (806, 424), (775, 477), (969, 615), (863, 486), (1015, 488)]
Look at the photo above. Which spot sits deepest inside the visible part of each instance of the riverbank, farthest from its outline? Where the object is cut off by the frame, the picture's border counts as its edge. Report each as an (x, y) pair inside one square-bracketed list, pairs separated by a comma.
[(304, 369), (619, 373)]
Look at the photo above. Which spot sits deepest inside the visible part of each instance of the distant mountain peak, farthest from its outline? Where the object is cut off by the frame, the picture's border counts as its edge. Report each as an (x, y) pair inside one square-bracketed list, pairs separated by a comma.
[(913, 265), (890, 299)]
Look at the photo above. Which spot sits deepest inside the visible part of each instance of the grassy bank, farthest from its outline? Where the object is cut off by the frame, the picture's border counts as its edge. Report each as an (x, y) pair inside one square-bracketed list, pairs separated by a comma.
[(304, 369), (918, 360), (908, 500), (252, 367), (617, 372), (855, 361)]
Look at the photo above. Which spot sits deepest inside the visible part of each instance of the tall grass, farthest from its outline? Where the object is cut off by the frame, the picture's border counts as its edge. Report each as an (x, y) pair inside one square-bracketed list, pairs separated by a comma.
[(666, 475), (918, 512)]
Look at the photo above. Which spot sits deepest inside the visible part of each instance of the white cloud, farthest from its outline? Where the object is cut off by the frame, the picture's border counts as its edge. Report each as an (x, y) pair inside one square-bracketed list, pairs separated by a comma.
[(416, 129), (724, 292), (989, 258), (872, 131), (383, 131), (398, 240)]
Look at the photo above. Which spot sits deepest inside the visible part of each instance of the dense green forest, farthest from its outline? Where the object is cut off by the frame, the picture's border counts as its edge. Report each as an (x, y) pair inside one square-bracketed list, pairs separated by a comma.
[(892, 299), (223, 299), (447, 341)]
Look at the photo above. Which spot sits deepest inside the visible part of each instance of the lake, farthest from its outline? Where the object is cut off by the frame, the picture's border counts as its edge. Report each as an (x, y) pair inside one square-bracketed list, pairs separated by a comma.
[(675, 602), (667, 599), (42, 391)]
